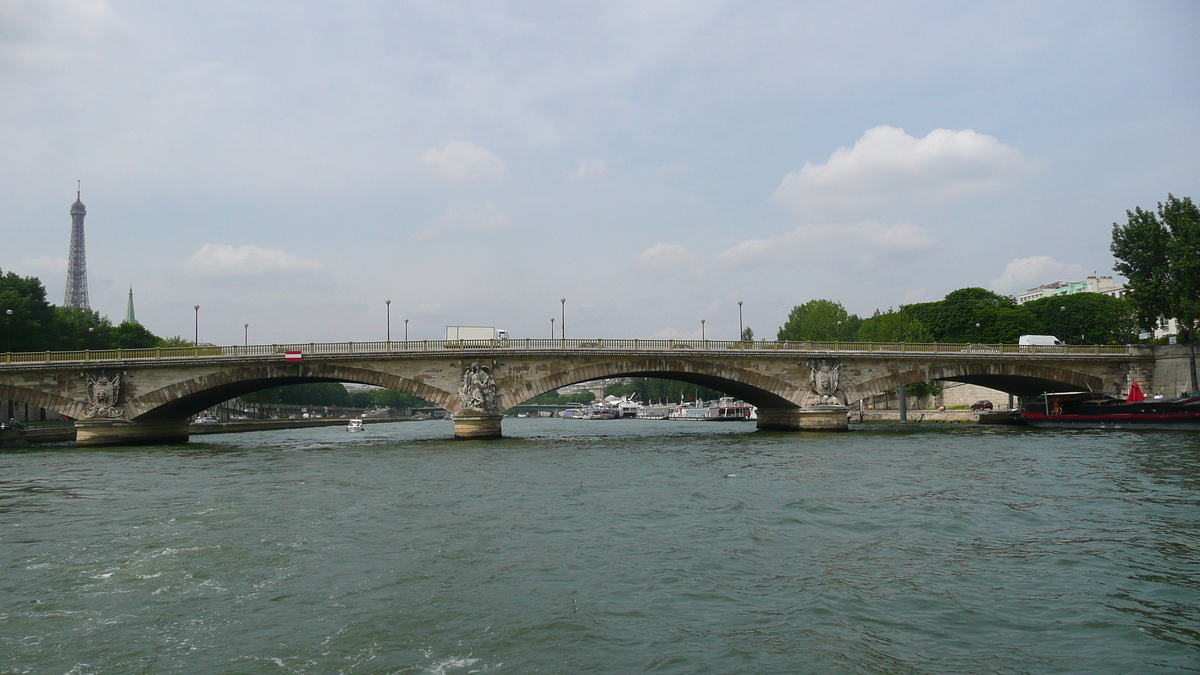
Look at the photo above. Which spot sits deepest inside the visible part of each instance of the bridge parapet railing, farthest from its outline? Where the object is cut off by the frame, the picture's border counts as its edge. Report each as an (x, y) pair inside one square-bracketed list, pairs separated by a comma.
[(596, 344)]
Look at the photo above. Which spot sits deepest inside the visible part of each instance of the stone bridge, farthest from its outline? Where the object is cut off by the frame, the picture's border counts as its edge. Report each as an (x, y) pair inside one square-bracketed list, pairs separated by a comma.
[(149, 395)]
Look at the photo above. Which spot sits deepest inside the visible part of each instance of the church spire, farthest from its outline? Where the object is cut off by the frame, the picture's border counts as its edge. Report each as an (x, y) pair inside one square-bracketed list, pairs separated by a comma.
[(129, 317)]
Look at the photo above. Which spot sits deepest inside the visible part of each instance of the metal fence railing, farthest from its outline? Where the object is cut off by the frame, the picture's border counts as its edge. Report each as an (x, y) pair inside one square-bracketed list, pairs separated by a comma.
[(440, 346)]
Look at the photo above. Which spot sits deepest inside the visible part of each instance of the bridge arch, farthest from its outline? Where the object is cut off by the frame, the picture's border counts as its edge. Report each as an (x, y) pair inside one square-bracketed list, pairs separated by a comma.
[(188, 397), (755, 388), (41, 399), (1020, 379)]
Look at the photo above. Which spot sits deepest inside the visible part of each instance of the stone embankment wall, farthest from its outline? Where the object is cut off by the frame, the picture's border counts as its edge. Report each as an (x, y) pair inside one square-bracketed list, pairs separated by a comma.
[(1172, 371)]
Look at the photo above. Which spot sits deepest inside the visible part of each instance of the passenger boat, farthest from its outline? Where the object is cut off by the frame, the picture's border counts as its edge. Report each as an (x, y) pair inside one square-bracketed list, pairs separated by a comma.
[(1084, 409), (627, 408), (355, 424), (600, 413), (727, 409)]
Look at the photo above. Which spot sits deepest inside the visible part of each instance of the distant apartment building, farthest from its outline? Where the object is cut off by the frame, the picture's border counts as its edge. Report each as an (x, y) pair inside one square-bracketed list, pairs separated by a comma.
[(1093, 284)]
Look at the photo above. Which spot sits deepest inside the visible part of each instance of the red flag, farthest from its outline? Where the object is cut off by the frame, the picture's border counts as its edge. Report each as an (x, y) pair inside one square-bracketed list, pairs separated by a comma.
[(1135, 394)]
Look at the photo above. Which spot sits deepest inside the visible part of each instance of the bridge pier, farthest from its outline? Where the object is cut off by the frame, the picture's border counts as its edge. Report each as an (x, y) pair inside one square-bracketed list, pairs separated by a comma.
[(474, 425), (820, 418), (130, 432)]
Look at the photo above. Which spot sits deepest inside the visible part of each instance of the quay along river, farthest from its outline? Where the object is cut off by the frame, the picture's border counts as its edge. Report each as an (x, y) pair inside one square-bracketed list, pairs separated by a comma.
[(607, 547)]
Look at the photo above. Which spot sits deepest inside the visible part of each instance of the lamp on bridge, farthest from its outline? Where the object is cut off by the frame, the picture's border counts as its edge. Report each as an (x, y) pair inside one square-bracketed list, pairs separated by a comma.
[(702, 337), (551, 328), (406, 330), (8, 330), (246, 335), (563, 325), (196, 342), (741, 330), (388, 303)]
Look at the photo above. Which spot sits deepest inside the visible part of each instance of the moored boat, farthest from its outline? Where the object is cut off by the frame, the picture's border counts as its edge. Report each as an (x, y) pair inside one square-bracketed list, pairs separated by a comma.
[(1082, 409), (355, 424)]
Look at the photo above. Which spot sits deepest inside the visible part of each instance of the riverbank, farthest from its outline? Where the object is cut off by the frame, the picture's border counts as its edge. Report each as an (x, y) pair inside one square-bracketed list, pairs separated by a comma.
[(66, 433), (917, 416)]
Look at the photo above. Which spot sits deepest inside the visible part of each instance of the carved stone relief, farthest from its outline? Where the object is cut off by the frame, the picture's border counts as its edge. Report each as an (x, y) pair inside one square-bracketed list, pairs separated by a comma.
[(103, 394), (477, 392), (824, 376)]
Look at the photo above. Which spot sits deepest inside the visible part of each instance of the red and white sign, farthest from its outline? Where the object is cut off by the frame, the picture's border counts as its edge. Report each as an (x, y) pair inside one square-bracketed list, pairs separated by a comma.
[(291, 356)]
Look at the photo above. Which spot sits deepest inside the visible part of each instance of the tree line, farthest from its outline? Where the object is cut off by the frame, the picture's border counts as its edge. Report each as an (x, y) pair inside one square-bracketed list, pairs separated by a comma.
[(970, 315), (36, 325)]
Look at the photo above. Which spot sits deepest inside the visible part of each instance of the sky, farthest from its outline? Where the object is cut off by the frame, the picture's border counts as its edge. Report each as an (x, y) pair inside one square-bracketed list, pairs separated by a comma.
[(294, 165)]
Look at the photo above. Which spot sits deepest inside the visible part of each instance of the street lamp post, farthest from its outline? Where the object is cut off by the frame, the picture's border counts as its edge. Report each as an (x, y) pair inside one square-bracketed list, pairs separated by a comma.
[(8, 330), (388, 303), (977, 336), (551, 328), (196, 341), (406, 330), (563, 324), (839, 331), (741, 330), (1062, 314), (702, 337), (246, 336)]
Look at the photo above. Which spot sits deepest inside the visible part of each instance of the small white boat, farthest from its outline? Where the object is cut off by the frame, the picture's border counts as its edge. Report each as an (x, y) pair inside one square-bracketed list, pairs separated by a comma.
[(355, 424)]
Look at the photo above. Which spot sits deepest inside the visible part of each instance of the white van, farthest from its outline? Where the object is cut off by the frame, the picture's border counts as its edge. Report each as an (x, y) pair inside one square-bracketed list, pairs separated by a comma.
[(1039, 341)]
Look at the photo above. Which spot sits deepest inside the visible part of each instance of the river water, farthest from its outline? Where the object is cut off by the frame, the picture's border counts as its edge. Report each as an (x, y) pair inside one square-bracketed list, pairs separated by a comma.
[(605, 546)]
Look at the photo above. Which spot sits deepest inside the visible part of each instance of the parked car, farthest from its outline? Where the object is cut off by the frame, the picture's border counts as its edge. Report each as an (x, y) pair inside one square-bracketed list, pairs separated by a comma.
[(981, 405)]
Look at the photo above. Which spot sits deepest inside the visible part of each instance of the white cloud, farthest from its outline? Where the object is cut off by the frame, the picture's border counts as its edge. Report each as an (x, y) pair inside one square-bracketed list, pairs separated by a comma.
[(589, 168), (1024, 273), (671, 257), (814, 242), (887, 165), (462, 161), (484, 218), (222, 260)]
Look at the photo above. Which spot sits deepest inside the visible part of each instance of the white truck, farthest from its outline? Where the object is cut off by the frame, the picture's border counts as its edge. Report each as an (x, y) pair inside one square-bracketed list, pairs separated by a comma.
[(1039, 341), (475, 333)]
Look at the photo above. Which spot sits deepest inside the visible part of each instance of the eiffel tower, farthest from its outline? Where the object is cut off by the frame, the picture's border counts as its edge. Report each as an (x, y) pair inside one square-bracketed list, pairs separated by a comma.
[(77, 294)]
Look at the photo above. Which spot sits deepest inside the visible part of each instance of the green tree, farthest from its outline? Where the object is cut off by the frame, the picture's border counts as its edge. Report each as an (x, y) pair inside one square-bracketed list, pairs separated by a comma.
[(953, 318), (32, 319), (76, 328), (1159, 255), (130, 335), (892, 326), (747, 334), (1083, 318), (176, 341), (819, 320)]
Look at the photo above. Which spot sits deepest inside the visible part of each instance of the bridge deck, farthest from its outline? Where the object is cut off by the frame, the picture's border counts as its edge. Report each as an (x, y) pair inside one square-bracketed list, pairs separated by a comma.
[(562, 346)]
